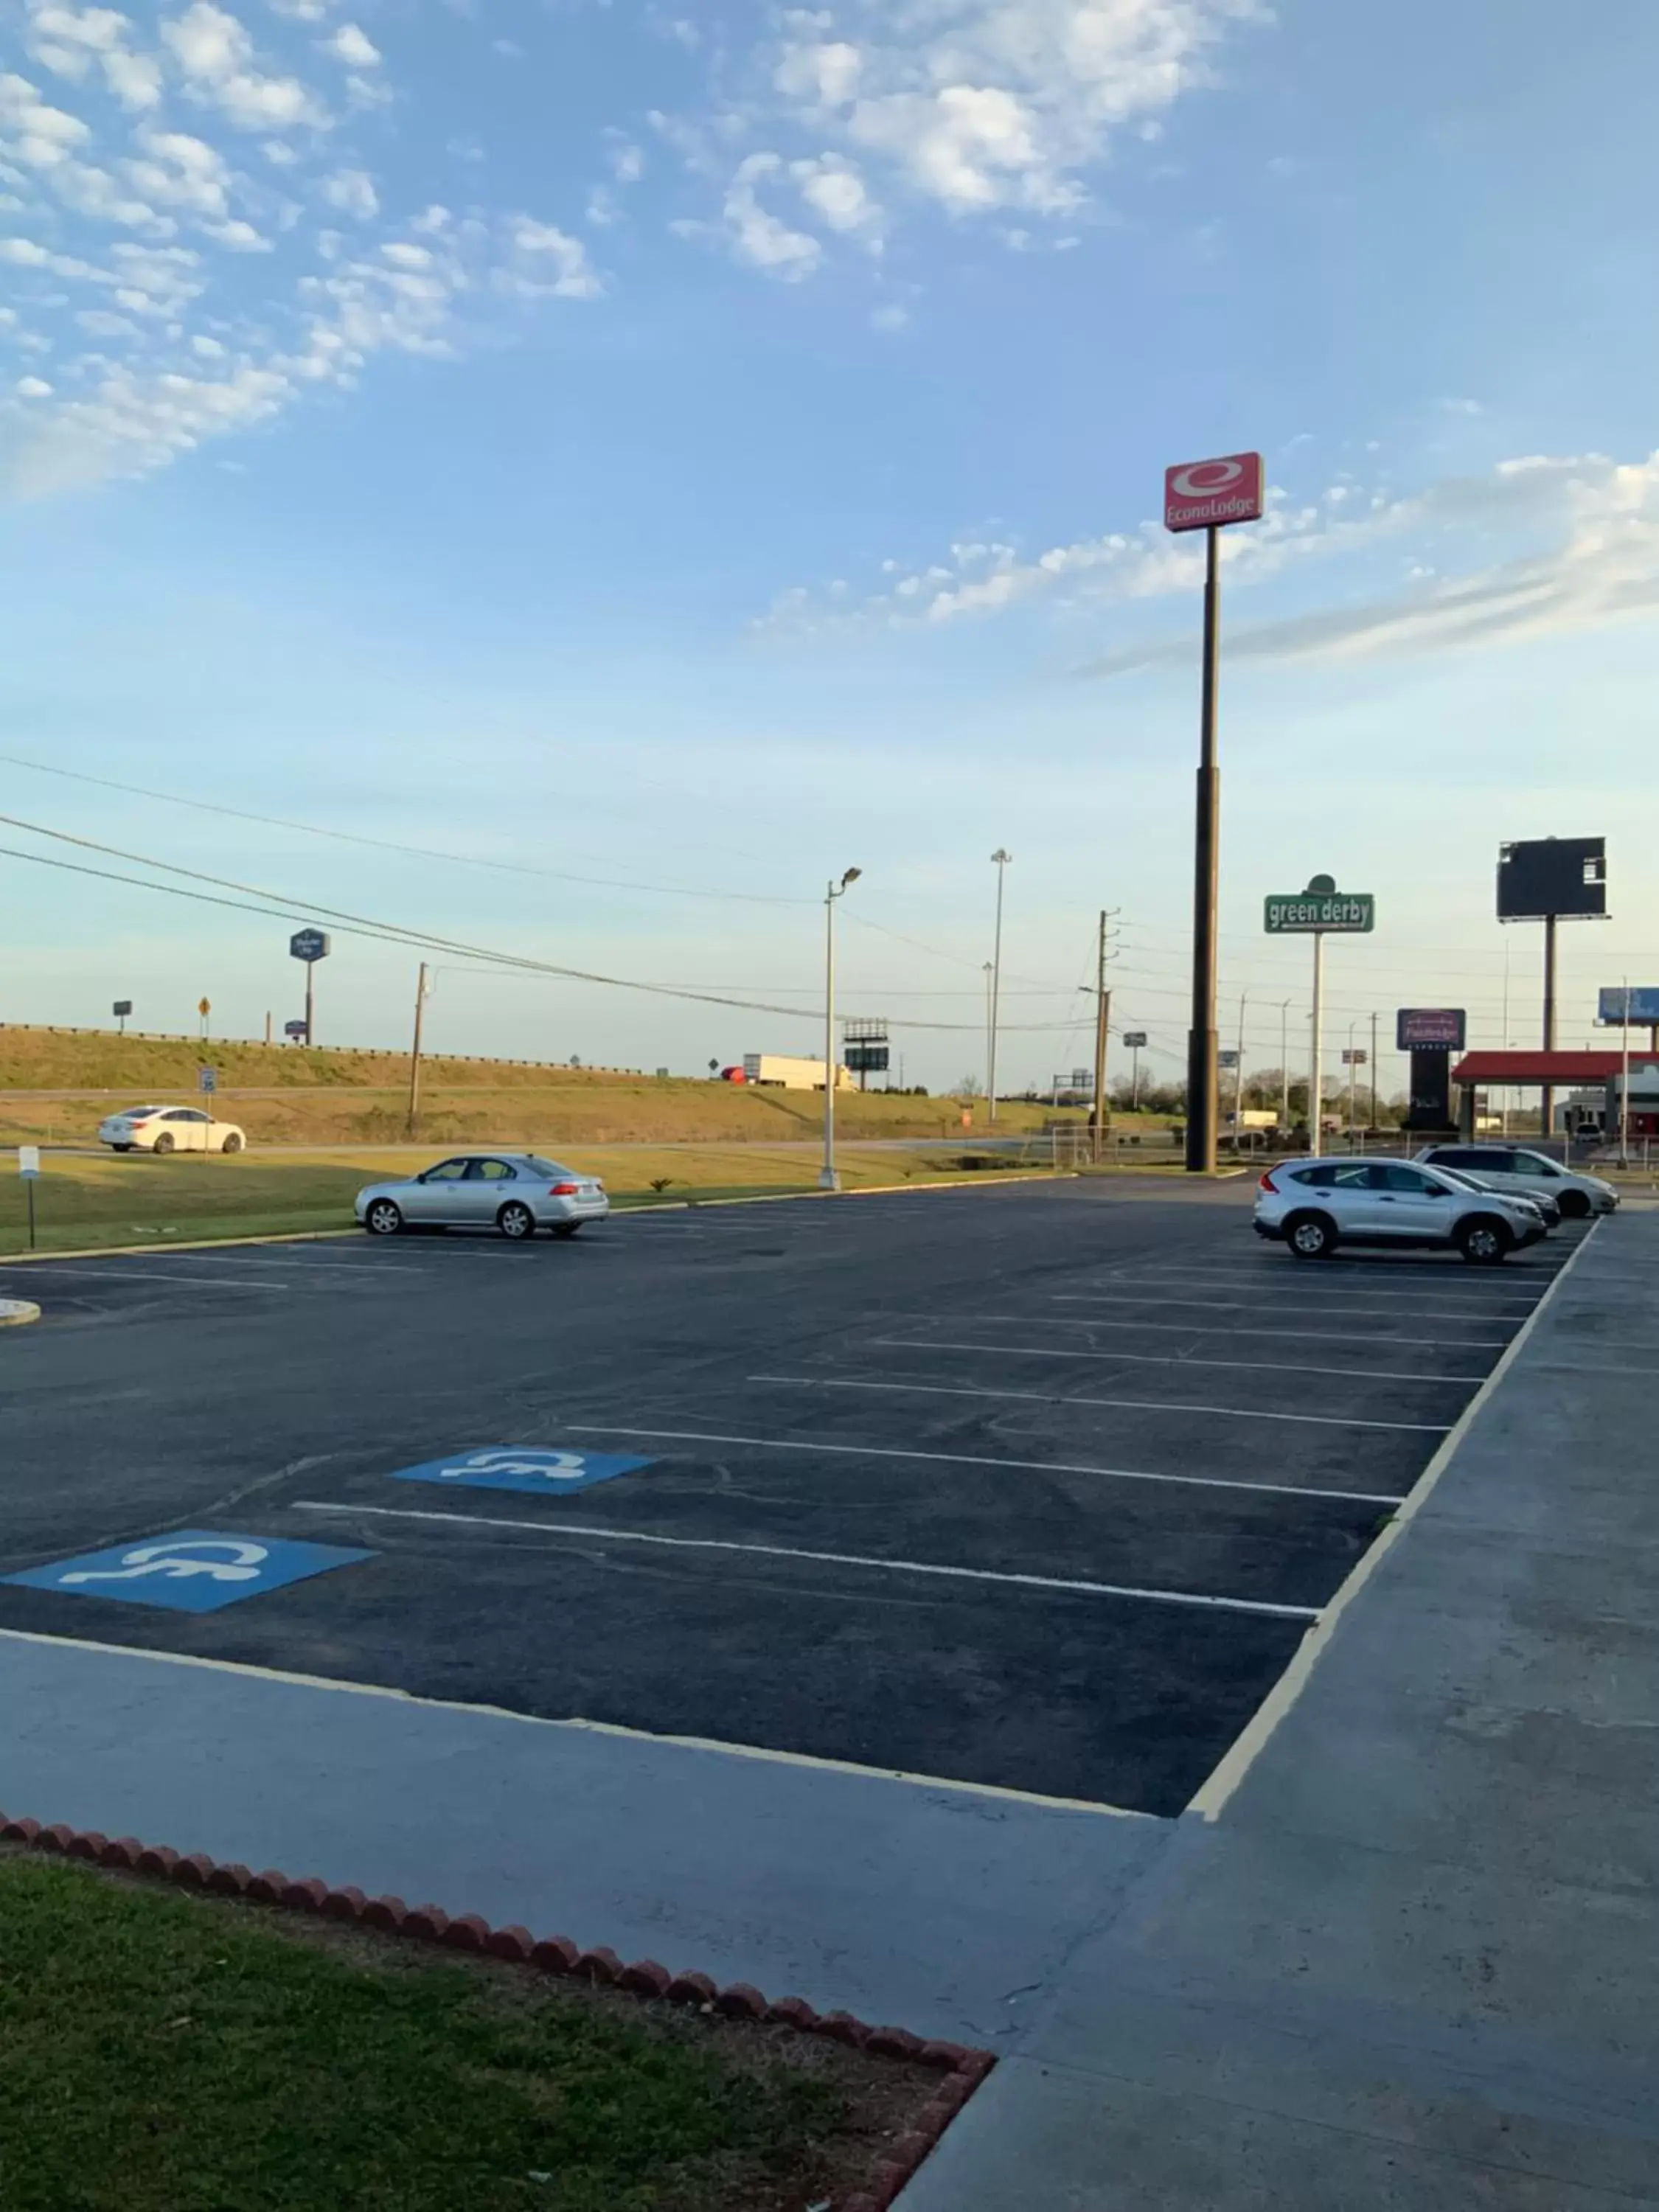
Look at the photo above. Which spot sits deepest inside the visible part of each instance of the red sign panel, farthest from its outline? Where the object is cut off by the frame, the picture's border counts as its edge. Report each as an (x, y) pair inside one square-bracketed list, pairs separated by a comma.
[(1200, 494)]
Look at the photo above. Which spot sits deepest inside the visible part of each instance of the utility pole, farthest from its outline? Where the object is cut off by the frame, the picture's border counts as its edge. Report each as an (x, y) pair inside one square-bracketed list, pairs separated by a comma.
[(1002, 859), (1102, 1024), (414, 1052), (1284, 1071), (1373, 1074), (1239, 1077)]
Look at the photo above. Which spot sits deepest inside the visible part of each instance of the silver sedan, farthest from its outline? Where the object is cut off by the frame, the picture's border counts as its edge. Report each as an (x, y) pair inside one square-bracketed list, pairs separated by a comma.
[(516, 1192)]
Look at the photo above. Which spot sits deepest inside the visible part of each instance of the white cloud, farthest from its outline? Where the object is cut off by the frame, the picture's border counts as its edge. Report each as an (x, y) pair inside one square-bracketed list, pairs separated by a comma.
[(217, 55), (628, 162), (354, 46), (890, 317), (546, 260), (32, 131), (352, 190), (239, 236), (72, 41), (976, 105), (833, 188), (1535, 546), (181, 171), (760, 238), (33, 388)]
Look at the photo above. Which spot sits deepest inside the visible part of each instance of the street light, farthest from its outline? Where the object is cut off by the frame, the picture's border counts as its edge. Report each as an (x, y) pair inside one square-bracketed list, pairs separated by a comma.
[(1285, 1070), (827, 1179), (990, 1049), (1000, 860)]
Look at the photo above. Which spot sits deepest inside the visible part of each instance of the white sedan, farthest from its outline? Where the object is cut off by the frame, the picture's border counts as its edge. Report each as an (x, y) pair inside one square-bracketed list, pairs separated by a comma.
[(168, 1129)]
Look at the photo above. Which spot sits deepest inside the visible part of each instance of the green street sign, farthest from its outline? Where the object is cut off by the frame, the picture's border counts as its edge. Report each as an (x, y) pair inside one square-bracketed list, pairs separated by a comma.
[(1305, 914)]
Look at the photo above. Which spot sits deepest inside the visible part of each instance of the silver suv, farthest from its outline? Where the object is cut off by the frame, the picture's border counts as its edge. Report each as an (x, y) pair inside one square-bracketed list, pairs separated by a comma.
[(1529, 1175), (1313, 1205)]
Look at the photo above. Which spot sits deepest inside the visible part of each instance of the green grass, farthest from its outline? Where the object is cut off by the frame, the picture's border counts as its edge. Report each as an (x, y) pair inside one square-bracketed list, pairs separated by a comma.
[(92, 1201), (160, 2053)]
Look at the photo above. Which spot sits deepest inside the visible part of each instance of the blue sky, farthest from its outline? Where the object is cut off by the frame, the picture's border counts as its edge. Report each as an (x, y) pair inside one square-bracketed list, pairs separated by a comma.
[(708, 448)]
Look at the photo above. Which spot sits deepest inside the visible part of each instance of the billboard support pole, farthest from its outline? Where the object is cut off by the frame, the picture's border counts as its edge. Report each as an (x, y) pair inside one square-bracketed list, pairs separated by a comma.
[(1623, 1090), (1201, 1089), (1547, 1114), (1316, 1074)]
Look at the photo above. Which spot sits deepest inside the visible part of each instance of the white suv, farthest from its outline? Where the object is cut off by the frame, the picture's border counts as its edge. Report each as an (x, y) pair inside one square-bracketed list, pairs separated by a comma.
[(1529, 1175), (1313, 1205)]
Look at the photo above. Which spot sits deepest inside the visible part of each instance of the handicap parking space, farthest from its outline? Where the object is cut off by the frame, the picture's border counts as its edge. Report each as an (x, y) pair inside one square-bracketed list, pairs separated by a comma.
[(1028, 1488)]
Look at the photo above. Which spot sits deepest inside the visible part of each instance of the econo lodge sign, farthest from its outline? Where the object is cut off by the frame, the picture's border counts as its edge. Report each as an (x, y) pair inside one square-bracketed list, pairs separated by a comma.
[(1201, 495)]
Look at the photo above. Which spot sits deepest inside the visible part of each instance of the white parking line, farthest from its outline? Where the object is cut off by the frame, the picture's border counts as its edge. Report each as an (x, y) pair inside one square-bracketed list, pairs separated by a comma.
[(1225, 1329), (1168, 1359), (1131, 1405), (1253, 1305), (147, 1275), (586, 1533), (1455, 1303), (351, 1266), (979, 1459)]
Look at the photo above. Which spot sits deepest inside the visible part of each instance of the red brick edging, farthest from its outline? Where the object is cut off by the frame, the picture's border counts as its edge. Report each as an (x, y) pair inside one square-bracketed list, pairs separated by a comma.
[(963, 2069)]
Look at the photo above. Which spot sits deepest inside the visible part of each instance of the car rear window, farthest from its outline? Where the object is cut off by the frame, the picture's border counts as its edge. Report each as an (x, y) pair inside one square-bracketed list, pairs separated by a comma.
[(134, 1113), (550, 1168)]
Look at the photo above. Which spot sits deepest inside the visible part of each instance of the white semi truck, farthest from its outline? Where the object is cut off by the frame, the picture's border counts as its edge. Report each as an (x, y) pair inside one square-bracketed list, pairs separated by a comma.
[(777, 1072)]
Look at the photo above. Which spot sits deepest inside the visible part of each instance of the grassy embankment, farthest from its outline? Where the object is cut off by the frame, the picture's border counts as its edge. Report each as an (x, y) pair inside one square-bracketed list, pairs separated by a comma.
[(165, 2053), (339, 1118)]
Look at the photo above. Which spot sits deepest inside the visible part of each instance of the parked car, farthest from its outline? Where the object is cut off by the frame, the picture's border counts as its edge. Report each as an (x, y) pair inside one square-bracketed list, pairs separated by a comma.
[(168, 1129), (1539, 1199), (1512, 1168), (516, 1192), (1314, 1206)]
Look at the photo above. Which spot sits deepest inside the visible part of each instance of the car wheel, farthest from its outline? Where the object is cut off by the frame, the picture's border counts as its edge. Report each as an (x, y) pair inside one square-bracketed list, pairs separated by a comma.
[(516, 1221), (120, 1148), (163, 1144), (232, 1142), (567, 1229), (384, 1217), (1575, 1206), (1483, 1242), (1310, 1237)]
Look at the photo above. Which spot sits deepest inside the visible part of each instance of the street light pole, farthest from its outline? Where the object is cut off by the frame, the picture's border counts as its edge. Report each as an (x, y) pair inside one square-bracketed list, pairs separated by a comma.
[(990, 1049), (1001, 860), (827, 1179), (1352, 1067), (1316, 1074)]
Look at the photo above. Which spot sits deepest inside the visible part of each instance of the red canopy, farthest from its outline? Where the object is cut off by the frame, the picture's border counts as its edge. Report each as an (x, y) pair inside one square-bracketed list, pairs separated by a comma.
[(1585, 1068)]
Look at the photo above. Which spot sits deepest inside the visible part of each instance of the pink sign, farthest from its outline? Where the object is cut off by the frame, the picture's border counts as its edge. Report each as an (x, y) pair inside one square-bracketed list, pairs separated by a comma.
[(1200, 494)]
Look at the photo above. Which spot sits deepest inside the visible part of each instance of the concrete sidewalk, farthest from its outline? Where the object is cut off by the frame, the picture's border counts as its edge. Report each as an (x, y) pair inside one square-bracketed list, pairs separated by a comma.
[(1411, 1962)]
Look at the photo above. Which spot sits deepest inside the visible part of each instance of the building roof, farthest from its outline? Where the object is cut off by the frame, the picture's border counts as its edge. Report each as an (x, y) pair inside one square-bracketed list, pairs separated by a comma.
[(1538, 1067)]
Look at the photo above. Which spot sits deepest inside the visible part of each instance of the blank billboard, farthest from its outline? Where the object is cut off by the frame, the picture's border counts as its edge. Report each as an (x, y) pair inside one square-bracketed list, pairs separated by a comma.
[(1552, 875)]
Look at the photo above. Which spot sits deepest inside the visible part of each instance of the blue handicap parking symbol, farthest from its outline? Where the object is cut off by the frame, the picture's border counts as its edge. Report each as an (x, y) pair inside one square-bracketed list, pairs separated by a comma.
[(551, 1471), (193, 1572)]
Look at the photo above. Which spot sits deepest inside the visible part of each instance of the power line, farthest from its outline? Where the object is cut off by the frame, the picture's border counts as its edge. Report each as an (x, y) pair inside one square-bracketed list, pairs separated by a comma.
[(284, 908), (392, 845)]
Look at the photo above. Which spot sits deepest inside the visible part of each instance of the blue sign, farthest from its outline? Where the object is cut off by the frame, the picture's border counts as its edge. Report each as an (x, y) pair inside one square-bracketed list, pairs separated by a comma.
[(551, 1473), (1637, 1005), (193, 1572)]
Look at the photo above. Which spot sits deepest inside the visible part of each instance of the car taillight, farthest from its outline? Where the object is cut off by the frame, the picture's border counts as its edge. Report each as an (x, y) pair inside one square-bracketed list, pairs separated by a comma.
[(1267, 1183), (565, 1190)]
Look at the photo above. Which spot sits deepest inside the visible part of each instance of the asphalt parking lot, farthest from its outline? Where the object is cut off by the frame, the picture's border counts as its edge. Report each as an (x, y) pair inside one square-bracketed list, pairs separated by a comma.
[(1037, 1486)]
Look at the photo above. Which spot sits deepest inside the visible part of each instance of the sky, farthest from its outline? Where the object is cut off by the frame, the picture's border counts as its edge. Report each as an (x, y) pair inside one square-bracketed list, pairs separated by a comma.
[(613, 467)]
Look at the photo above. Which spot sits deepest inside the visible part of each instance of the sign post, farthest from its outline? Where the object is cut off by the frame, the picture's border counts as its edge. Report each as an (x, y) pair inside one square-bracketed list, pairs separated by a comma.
[(121, 1009), (28, 1166), (1320, 912), (1133, 1040), (1207, 496), (205, 1007), (310, 946)]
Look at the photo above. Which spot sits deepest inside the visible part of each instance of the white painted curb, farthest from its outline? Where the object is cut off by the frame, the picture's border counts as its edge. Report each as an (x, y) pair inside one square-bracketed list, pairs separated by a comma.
[(14, 1312)]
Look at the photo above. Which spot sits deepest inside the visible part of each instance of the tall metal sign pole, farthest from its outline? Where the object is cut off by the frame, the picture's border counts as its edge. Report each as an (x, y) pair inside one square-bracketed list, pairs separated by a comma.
[(828, 1177), (1319, 912), (1207, 496)]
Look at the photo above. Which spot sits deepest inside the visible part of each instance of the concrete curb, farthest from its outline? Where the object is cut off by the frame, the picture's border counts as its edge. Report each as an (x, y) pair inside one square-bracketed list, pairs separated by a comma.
[(963, 2069), (14, 1312)]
